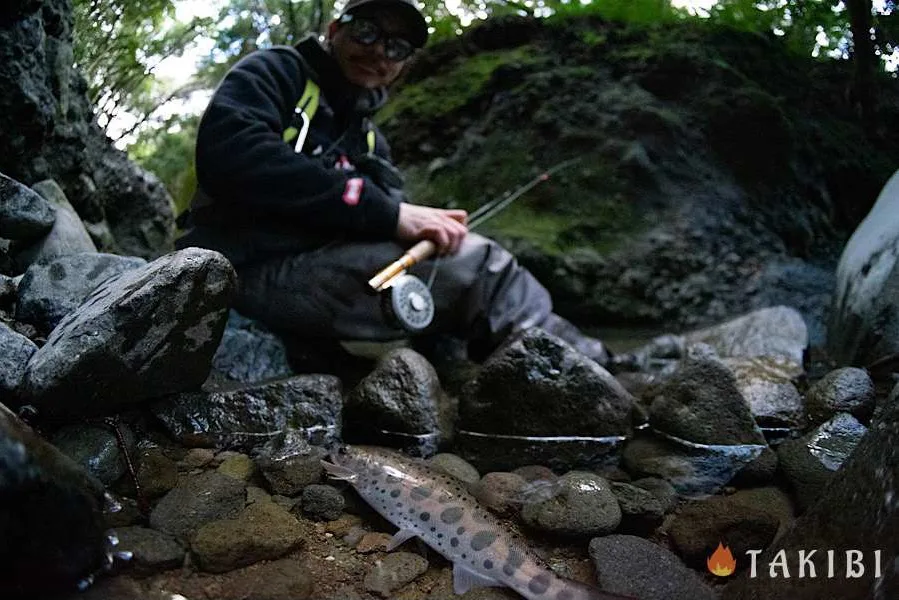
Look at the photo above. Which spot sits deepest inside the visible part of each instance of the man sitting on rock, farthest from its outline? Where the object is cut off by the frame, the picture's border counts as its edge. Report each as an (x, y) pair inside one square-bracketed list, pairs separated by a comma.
[(297, 189)]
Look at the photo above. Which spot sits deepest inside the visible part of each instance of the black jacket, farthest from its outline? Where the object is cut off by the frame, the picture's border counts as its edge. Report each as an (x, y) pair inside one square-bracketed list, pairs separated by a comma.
[(257, 197)]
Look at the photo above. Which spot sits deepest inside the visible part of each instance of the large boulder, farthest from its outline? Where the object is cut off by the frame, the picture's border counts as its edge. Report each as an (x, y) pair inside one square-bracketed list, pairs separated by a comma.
[(49, 132), (146, 333), (864, 323)]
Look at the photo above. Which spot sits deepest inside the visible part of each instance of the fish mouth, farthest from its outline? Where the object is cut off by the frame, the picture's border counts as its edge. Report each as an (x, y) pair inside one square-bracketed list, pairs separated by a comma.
[(338, 467)]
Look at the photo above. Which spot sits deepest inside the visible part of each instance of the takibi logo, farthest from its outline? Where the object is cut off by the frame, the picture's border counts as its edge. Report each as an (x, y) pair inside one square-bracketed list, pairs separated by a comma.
[(848, 564), (721, 562)]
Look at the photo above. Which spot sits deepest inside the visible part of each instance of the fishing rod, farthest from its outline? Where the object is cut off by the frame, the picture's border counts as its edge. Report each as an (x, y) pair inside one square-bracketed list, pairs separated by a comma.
[(407, 299)]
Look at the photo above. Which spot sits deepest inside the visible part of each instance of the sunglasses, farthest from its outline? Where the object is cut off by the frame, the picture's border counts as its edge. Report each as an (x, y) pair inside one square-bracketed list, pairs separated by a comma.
[(366, 32)]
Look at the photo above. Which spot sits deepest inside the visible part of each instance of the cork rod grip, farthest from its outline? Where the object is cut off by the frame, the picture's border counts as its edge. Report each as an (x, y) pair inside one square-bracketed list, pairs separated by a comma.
[(416, 253)]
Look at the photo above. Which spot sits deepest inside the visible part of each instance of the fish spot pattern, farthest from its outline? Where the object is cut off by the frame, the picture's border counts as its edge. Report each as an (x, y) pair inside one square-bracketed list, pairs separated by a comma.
[(395, 494), (482, 539), (513, 561), (539, 584), (420, 493), (451, 515)]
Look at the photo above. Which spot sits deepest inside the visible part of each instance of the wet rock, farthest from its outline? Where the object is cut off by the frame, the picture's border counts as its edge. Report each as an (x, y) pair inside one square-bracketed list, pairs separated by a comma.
[(661, 489), (402, 394), (249, 352), (373, 541), (197, 458), (153, 551), (151, 331), (288, 463), (536, 473), (67, 235), (771, 501), (500, 492), (51, 289), (847, 390), (636, 567), (120, 588), (864, 320), (393, 572), (24, 214), (283, 579), (767, 385), (52, 526), (701, 403), (641, 511), (520, 381), (692, 469), (859, 509), (157, 473), (15, 351), (96, 448), (322, 502), (456, 466), (700, 525), (197, 500), (778, 331), (262, 531), (248, 417), (583, 506), (810, 461), (239, 466), (538, 401)]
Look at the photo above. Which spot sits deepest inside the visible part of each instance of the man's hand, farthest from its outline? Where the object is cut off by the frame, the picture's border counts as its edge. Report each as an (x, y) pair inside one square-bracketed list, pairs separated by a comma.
[(446, 228)]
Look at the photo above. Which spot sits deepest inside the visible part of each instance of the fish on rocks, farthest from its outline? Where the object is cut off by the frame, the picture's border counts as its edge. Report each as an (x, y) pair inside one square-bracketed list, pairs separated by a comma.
[(436, 508)]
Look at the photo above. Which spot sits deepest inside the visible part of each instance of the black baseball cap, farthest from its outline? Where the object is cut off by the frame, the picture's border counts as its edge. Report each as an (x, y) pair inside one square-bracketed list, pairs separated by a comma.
[(416, 19)]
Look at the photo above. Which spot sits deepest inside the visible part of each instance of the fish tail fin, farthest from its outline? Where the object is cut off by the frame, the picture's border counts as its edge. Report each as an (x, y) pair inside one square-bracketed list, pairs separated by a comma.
[(337, 471)]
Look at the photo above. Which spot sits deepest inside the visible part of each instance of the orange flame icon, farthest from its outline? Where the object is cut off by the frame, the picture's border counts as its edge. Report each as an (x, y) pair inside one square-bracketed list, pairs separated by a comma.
[(722, 562)]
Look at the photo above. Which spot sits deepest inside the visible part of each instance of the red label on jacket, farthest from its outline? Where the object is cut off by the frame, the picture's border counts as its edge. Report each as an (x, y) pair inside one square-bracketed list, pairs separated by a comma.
[(353, 191)]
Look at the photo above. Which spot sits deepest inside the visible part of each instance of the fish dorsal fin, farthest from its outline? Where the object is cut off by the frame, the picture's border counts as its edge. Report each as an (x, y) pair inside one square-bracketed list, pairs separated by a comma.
[(399, 538), (464, 579)]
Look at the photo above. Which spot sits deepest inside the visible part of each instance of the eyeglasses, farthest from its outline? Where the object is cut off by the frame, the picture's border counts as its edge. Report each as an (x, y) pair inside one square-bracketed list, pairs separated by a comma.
[(366, 32)]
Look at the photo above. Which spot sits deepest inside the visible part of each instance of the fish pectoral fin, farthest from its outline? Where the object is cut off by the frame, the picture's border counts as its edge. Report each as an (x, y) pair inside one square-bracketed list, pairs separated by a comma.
[(336, 471), (399, 538), (464, 579)]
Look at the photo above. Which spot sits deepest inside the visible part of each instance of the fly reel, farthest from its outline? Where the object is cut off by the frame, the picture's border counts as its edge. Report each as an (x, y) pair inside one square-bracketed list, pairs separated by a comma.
[(408, 303)]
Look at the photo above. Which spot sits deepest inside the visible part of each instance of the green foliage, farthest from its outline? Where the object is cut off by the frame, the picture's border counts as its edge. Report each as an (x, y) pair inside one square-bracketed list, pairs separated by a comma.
[(168, 152), (438, 96), (628, 11)]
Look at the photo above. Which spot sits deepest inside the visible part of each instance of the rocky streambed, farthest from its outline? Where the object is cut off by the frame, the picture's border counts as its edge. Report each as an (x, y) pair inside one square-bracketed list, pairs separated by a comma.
[(158, 444)]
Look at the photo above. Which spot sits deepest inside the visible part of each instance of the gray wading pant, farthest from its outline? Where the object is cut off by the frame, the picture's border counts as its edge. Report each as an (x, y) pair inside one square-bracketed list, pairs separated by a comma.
[(481, 294)]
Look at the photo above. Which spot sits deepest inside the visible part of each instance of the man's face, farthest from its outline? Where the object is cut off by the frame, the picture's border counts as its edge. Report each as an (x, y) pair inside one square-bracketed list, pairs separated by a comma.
[(367, 65)]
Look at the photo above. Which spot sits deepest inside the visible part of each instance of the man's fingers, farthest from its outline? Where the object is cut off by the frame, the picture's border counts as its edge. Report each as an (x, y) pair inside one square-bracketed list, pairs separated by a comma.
[(457, 214)]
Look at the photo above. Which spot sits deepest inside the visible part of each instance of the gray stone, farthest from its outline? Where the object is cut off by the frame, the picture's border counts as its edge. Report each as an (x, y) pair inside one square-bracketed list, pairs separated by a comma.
[(456, 466), (322, 502), (250, 353), (51, 289), (68, 235), (810, 461), (538, 385), (282, 579), (778, 331), (262, 531), (248, 417), (859, 510), (847, 390), (401, 394), (152, 551), (700, 526), (15, 351), (661, 489), (195, 501), (702, 403), (393, 572), (636, 567), (96, 448), (52, 503), (641, 511), (24, 214), (500, 492), (288, 463), (767, 384), (583, 506), (692, 469), (864, 322), (156, 472), (150, 332)]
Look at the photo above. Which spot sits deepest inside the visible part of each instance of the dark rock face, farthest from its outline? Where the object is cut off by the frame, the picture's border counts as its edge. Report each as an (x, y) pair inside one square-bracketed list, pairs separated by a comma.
[(149, 331), (50, 515), (48, 132)]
